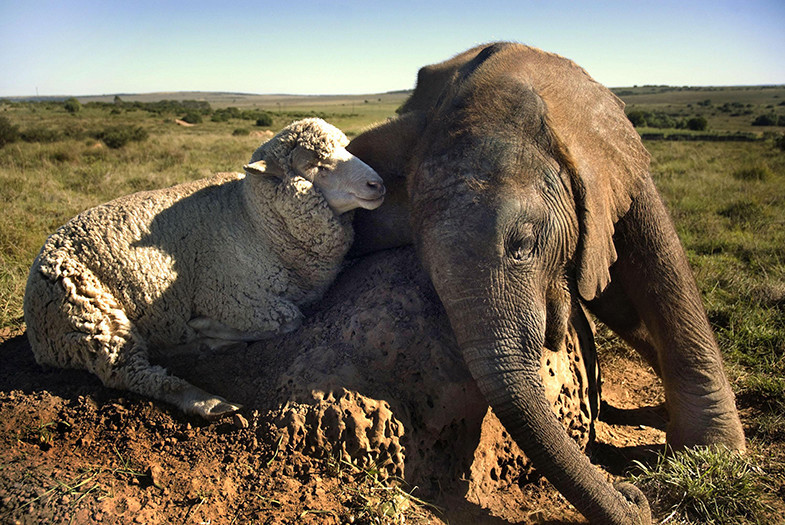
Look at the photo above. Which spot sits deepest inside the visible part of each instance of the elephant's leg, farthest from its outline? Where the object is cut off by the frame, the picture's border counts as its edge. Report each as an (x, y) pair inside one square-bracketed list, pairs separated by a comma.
[(654, 303)]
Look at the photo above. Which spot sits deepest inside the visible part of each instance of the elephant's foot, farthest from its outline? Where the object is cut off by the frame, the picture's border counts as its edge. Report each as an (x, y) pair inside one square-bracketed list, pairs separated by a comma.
[(701, 425)]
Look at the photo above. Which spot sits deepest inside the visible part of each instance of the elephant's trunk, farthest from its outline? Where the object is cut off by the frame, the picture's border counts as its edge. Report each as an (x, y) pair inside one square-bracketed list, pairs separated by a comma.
[(503, 356), (513, 387)]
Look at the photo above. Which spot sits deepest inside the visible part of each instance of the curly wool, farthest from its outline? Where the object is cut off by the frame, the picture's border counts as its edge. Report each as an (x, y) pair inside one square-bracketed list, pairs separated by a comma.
[(312, 133), (125, 278)]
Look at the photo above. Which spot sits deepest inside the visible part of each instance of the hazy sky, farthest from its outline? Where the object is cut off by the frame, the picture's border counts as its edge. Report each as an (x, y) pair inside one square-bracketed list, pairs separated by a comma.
[(88, 47)]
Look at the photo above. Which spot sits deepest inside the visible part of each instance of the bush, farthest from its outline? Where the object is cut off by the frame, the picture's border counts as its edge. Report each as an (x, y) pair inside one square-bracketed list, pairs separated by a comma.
[(765, 120), (117, 137), (72, 105), (264, 119), (223, 115), (8, 132), (40, 134), (638, 118), (651, 119), (192, 118), (241, 132), (780, 142), (697, 124)]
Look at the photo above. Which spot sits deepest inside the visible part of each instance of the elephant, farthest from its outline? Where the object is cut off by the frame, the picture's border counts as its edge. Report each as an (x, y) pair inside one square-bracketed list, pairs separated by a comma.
[(527, 194)]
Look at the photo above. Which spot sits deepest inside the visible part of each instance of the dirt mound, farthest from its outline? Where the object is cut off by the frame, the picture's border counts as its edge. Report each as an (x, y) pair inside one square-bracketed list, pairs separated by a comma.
[(373, 386)]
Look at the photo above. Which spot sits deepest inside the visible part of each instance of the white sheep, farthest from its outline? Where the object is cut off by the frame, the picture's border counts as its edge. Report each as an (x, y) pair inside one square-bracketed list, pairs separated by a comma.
[(214, 262)]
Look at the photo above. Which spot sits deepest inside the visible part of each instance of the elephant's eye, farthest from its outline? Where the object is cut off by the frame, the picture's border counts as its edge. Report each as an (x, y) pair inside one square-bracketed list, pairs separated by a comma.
[(521, 243)]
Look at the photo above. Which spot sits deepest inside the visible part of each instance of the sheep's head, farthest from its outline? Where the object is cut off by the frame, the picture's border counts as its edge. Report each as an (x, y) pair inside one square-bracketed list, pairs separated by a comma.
[(315, 150)]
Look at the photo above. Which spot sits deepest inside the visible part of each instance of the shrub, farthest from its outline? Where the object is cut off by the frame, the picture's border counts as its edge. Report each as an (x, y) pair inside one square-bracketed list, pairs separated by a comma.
[(264, 119), (117, 137), (72, 105), (697, 124), (40, 134), (660, 120), (223, 115), (765, 120), (192, 118), (638, 118), (240, 132), (651, 119), (8, 132), (779, 142)]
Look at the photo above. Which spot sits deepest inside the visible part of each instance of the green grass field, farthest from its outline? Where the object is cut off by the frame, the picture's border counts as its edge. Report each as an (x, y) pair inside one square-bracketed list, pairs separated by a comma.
[(726, 198)]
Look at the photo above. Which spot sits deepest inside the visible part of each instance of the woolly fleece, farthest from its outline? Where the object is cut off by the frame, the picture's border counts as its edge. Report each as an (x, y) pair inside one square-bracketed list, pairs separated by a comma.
[(124, 279), (300, 133)]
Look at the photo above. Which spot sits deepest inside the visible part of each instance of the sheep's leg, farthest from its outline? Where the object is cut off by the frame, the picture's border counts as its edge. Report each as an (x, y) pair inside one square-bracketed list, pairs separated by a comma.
[(137, 374), (275, 318), (73, 321)]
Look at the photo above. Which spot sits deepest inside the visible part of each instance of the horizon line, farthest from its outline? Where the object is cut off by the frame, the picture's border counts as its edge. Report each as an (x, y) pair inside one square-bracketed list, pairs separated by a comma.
[(390, 92)]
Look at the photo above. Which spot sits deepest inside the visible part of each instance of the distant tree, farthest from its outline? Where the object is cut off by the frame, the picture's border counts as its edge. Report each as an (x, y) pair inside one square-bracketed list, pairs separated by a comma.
[(697, 124), (8, 132), (72, 105), (118, 101)]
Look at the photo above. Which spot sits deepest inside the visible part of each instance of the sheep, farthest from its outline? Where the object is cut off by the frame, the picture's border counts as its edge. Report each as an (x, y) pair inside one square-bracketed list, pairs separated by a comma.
[(216, 262)]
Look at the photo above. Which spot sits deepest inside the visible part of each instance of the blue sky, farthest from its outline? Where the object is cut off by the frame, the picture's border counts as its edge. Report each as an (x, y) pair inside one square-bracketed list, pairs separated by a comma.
[(86, 47)]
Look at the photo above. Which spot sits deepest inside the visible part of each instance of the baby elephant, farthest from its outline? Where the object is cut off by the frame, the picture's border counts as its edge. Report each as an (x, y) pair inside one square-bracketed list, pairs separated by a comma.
[(209, 263)]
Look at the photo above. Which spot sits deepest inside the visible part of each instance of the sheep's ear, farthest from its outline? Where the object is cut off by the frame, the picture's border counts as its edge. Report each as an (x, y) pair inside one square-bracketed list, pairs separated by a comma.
[(261, 168)]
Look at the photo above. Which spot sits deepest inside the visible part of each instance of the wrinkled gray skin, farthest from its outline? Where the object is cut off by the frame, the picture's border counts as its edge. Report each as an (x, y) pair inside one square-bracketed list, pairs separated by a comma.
[(528, 188)]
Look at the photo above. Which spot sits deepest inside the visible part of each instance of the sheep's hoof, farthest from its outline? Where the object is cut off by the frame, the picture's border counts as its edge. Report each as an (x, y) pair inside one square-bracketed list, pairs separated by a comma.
[(216, 408)]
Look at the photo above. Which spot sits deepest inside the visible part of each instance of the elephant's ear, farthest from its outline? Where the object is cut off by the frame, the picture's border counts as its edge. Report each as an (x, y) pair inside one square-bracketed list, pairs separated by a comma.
[(607, 164)]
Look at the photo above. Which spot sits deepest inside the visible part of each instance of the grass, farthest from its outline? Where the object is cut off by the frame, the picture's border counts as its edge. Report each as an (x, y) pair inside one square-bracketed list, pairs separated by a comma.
[(374, 498), (707, 486), (733, 229)]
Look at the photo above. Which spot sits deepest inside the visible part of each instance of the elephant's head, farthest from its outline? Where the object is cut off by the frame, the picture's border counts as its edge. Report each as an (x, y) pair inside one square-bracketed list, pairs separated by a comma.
[(517, 181)]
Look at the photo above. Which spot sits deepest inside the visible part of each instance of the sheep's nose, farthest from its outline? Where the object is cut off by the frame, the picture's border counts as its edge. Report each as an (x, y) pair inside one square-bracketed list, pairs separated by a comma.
[(377, 187)]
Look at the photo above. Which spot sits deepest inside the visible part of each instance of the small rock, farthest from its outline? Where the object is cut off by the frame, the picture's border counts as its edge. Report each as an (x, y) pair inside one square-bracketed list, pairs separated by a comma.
[(156, 473), (239, 421), (133, 505)]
